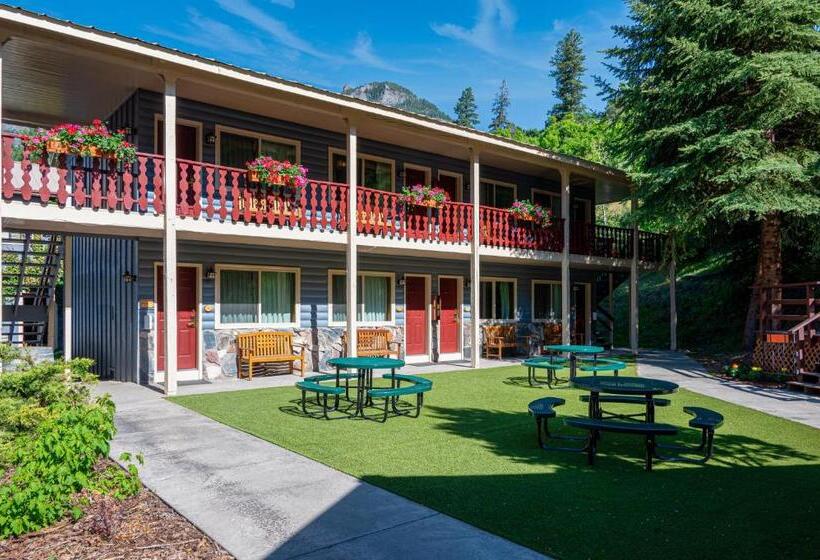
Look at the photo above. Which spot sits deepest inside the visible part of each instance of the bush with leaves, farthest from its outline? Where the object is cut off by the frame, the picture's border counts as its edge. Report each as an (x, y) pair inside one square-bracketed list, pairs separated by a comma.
[(53, 433)]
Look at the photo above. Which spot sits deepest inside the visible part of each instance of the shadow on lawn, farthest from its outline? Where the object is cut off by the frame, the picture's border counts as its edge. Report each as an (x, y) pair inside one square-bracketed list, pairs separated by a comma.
[(512, 435)]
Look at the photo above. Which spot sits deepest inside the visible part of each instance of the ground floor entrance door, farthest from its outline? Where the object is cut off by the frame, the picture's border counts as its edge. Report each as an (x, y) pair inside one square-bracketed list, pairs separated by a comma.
[(449, 319), (579, 309), (187, 333), (416, 319)]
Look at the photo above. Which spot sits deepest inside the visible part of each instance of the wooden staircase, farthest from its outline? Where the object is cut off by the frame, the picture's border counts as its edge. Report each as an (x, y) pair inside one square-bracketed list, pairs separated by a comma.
[(789, 333), (31, 266)]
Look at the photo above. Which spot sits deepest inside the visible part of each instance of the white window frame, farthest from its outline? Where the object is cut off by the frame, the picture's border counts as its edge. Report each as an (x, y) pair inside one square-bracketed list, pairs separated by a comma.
[(391, 276), (459, 177), (297, 304), (532, 301), (160, 118), (259, 136), (495, 279), (499, 183), (428, 173), (362, 157)]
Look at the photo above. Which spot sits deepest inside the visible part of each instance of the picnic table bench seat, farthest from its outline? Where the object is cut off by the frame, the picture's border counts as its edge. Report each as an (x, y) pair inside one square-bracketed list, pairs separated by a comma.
[(314, 385), (418, 386), (707, 421), (626, 399), (602, 364), (648, 430), (552, 366)]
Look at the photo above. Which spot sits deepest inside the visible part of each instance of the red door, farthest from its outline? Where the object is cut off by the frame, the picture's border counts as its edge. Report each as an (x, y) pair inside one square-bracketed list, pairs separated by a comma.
[(186, 318), (448, 320), (450, 184), (186, 141), (416, 315)]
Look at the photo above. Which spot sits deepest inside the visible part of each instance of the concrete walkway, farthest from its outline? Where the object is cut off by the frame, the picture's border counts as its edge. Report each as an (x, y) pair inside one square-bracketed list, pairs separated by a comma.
[(259, 500), (686, 372)]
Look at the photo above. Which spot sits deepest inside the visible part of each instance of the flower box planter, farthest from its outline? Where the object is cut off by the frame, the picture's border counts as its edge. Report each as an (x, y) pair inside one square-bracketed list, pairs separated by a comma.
[(267, 171), (56, 147), (426, 203), (94, 140), (525, 218)]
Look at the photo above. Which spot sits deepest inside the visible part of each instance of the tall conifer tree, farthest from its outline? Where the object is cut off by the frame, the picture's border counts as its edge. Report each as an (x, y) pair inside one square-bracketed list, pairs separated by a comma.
[(501, 105), (466, 109), (720, 103), (567, 70)]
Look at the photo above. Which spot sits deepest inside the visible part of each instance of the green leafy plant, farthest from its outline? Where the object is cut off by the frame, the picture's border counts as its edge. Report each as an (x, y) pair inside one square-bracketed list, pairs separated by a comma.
[(53, 436), (84, 140)]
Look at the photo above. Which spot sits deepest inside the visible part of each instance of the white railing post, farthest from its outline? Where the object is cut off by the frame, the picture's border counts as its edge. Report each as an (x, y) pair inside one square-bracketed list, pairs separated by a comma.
[(169, 260), (475, 262), (566, 286), (68, 297), (352, 227)]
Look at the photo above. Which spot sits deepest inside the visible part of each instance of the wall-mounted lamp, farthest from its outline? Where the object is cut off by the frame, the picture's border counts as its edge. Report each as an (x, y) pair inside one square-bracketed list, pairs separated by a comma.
[(128, 277), (210, 274), (400, 282), (467, 284), (210, 138)]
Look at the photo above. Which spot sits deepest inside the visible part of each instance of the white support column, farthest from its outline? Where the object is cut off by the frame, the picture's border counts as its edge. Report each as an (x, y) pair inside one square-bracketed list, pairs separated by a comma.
[(673, 304), (633, 285), (475, 262), (169, 261), (68, 297), (352, 226), (566, 286)]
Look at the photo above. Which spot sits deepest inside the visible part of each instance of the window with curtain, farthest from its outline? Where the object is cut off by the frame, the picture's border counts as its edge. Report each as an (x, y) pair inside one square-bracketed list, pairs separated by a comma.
[(498, 299), (496, 195), (235, 150), (546, 301), (370, 173), (257, 297), (374, 295)]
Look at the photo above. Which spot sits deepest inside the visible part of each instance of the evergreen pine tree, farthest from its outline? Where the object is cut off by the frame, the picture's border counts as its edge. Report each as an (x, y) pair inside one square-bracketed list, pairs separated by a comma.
[(567, 69), (720, 103), (466, 109), (500, 106)]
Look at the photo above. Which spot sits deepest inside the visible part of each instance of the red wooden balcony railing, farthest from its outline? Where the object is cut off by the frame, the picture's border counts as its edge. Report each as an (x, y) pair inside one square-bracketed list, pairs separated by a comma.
[(499, 228), (82, 182), (214, 192), (383, 214)]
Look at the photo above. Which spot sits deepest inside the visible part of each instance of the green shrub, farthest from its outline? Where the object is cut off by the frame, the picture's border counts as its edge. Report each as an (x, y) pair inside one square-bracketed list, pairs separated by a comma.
[(53, 434)]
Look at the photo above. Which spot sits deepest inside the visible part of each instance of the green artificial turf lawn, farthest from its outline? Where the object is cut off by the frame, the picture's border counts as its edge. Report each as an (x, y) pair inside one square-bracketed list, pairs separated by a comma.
[(473, 455)]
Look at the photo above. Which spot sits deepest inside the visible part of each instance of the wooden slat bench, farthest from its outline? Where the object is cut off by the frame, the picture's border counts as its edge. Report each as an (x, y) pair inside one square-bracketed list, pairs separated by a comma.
[(498, 338), (268, 347), (374, 343)]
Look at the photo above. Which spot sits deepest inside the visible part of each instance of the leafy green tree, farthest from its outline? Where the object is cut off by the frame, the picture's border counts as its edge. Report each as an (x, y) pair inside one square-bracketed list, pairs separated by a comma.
[(567, 69), (501, 105), (720, 104), (466, 109)]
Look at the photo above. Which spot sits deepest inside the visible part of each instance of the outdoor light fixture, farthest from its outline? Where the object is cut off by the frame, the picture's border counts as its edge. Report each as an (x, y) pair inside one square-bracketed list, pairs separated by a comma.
[(210, 274), (128, 277), (400, 282), (210, 138)]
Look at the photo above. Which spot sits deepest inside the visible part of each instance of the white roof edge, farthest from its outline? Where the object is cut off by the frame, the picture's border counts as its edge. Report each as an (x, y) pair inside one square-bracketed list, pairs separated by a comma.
[(171, 56)]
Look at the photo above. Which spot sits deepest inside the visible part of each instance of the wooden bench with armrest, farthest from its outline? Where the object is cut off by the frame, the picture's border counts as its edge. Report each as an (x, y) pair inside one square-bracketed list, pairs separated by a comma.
[(498, 338), (374, 343), (268, 347)]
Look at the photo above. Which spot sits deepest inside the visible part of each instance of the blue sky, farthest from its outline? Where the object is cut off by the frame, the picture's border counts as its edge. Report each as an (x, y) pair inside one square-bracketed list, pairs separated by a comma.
[(435, 48)]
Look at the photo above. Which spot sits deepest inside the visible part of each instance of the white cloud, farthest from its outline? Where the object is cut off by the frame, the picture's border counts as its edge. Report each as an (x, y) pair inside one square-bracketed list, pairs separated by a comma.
[(275, 29), (201, 30), (286, 3), (363, 53), (495, 17)]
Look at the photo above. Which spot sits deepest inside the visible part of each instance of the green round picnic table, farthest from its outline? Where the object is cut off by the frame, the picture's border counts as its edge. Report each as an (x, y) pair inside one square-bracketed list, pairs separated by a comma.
[(645, 386), (573, 350), (364, 367)]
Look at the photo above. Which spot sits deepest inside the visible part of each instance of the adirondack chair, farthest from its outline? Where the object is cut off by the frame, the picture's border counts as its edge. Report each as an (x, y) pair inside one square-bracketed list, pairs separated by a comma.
[(374, 342), (268, 347), (498, 338)]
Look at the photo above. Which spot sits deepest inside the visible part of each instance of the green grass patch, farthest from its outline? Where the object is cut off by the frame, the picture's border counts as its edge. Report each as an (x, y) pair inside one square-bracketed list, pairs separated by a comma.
[(473, 455)]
